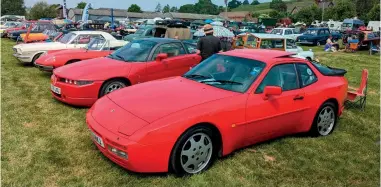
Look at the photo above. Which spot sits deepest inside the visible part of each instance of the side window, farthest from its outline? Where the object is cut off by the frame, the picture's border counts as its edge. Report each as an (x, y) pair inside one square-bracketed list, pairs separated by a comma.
[(283, 76), (172, 50), (86, 38), (306, 75), (251, 41), (287, 32), (272, 44), (290, 44), (192, 49)]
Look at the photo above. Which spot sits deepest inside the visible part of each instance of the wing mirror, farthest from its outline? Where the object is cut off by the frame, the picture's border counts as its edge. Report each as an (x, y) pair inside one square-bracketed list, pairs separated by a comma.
[(271, 91), (161, 56)]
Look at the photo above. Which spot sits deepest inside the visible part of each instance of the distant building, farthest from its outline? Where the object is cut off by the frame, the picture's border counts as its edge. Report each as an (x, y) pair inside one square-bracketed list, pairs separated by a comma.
[(237, 16), (120, 14)]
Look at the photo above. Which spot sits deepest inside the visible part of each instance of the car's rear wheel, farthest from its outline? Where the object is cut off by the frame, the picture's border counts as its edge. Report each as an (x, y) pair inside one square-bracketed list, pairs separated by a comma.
[(111, 86), (325, 120), (194, 152)]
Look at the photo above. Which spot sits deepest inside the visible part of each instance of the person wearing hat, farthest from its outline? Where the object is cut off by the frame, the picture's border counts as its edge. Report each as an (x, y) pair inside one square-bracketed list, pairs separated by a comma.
[(209, 44)]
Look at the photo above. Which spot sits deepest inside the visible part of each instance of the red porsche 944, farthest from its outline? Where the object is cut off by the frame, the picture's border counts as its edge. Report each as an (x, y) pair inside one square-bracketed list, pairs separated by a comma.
[(82, 83), (229, 101)]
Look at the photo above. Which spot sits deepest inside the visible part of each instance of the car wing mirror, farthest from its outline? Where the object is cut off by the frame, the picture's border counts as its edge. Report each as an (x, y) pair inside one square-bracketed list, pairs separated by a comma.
[(271, 91), (161, 56)]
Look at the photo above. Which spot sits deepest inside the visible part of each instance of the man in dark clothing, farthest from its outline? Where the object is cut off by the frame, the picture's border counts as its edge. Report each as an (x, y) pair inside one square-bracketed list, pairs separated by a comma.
[(209, 44)]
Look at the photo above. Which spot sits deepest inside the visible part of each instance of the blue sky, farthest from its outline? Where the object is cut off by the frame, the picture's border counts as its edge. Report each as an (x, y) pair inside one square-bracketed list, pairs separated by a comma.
[(147, 5)]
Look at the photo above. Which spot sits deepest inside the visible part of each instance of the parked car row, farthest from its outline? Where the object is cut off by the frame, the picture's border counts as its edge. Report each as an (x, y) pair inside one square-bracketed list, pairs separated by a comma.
[(155, 107)]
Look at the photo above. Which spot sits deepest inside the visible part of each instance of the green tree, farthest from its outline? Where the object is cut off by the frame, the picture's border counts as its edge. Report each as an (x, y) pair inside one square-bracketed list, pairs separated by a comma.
[(278, 5), (255, 14), (255, 2), (174, 9), (363, 7), (308, 14), (158, 7), (42, 10), (245, 2), (374, 13), (234, 4), (81, 5), (12, 7), (206, 7), (341, 10), (166, 9), (187, 8), (134, 8)]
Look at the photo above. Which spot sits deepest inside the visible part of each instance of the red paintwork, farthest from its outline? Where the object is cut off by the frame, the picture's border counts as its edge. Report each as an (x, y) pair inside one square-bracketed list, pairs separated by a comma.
[(102, 69), (64, 56), (147, 119)]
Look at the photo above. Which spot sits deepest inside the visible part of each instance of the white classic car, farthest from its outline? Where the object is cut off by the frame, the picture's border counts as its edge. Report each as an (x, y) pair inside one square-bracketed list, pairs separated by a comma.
[(30, 52), (289, 32)]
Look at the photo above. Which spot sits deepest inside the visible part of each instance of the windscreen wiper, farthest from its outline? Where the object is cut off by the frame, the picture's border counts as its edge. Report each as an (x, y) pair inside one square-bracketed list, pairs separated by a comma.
[(197, 76), (221, 82)]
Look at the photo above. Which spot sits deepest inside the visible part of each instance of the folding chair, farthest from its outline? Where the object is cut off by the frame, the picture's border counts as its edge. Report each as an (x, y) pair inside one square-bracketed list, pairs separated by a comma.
[(357, 97), (352, 47)]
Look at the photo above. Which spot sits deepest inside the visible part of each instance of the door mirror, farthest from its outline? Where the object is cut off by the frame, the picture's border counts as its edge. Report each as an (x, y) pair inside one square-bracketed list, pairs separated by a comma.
[(271, 90), (161, 56)]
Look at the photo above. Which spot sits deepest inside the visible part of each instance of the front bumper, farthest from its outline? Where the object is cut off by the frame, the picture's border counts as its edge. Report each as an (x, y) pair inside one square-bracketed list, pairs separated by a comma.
[(22, 58), (141, 158), (44, 68), (85, 95)]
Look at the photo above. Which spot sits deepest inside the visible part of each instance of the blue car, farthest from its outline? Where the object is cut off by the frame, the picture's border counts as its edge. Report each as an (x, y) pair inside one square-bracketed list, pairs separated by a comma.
[(317, 36)]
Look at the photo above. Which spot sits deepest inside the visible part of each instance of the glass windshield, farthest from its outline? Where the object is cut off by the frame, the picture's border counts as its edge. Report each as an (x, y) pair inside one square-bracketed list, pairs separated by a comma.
[(311, 31), (96, 44), (276, 31), (347, 25), (140, 31), (227, 72), (67, 38), (135, 51)]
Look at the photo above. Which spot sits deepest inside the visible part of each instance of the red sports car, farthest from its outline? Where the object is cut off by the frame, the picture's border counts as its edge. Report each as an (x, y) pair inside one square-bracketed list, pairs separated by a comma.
[(95, 49), (229, 101), (82, 83)]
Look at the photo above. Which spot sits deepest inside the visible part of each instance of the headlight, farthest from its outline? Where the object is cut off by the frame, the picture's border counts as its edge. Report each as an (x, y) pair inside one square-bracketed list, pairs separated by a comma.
[(117, 152), (79, 83)]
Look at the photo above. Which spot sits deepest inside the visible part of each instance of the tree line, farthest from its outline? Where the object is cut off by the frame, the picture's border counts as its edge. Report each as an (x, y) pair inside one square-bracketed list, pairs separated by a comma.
[(366, 10)]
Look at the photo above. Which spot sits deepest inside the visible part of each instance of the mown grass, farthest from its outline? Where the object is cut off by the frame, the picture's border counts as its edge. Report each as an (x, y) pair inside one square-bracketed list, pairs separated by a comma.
[(46, 143)]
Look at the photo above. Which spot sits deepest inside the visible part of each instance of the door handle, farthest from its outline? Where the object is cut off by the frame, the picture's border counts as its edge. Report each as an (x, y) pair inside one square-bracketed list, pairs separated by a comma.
[(298, 97)]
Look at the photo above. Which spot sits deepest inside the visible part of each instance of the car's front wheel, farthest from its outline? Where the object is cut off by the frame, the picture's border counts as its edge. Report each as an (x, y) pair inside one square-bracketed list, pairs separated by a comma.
[(325, 120), (194, 151), (111, 86)]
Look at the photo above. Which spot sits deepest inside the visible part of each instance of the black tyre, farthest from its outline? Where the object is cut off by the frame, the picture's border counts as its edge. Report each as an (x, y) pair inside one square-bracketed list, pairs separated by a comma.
[(35, 58), (325, 120), (194, 152), (111, 86)]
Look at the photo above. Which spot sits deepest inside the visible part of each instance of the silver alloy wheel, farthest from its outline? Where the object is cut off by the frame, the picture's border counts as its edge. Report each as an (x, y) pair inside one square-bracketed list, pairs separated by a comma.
[(196, 153), (326, 120), (114, 86)]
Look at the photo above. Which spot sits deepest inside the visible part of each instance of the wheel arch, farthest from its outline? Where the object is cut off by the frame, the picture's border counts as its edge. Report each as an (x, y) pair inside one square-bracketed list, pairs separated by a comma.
[(124, 79), (37, 55), (334, 101)]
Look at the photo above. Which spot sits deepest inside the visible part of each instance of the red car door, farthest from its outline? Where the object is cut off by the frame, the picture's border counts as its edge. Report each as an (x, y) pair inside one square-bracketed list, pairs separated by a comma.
[(275, 115), (177, 63)]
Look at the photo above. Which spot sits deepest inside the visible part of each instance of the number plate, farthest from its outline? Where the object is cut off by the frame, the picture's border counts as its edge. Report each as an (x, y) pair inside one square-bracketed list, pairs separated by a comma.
[(97, 139), (55, 89)]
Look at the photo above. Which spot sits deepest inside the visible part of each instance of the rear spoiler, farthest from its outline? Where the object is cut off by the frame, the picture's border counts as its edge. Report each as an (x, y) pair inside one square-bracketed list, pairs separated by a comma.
[(328, 71), (336, 72)]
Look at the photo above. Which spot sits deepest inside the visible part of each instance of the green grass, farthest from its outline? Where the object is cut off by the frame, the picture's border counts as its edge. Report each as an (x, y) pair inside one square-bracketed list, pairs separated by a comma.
[(46, 143), (265, 7)]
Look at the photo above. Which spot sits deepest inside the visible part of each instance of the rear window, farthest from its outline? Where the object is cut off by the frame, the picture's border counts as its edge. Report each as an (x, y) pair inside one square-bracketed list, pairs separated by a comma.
[(328, 71)]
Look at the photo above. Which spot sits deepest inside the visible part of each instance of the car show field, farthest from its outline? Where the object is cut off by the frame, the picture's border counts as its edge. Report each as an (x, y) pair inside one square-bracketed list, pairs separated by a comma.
[(47, 143)]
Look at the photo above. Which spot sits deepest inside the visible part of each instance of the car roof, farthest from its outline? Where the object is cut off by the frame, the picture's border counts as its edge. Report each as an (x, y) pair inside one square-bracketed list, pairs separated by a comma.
[(263, 55)]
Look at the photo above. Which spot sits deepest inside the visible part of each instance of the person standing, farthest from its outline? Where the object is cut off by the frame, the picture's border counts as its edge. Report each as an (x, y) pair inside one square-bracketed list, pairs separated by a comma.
[(209, 44)]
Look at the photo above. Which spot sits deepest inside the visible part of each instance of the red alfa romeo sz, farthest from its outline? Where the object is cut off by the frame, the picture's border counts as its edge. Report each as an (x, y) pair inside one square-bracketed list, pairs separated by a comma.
[(82, 83), (229, 101)]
